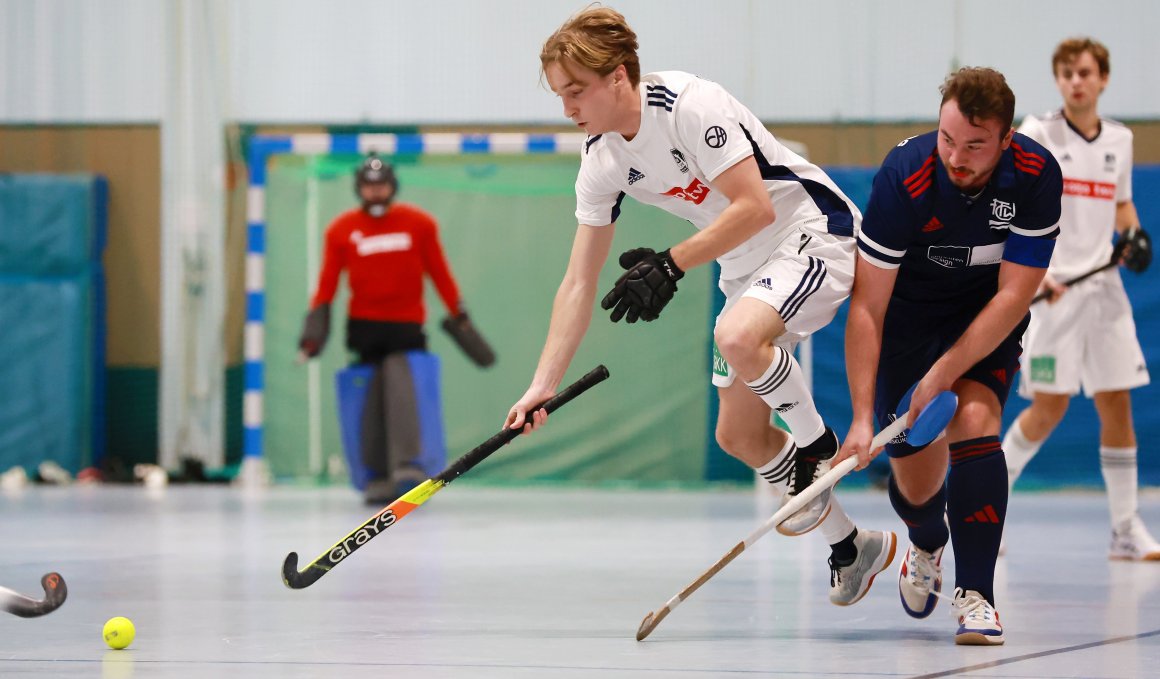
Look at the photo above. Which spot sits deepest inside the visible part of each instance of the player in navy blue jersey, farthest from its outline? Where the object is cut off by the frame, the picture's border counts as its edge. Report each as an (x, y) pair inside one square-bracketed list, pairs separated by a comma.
[(955, 242)]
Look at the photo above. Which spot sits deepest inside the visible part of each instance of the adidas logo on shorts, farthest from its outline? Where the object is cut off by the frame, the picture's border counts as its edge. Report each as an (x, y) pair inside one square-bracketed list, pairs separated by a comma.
[(766, 283), (634, 175)]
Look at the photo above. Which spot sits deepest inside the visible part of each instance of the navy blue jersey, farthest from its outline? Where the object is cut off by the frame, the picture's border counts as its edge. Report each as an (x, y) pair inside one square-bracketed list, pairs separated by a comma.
[(948, 246)]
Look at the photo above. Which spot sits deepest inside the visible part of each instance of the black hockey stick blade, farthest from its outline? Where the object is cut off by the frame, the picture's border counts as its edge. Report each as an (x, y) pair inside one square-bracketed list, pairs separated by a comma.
[(55, 592), (392, 513)]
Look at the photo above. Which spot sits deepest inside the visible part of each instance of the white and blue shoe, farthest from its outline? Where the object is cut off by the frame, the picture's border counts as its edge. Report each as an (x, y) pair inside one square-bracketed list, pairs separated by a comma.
[(920, 581), (978, 620)]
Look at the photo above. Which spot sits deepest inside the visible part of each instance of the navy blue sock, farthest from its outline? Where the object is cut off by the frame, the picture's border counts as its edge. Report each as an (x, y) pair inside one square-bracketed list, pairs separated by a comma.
[(976, 507), (927, 528)]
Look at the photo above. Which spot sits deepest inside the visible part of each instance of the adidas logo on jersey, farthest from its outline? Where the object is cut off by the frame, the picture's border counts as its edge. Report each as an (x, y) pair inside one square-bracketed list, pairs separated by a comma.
[(1065, 156), (660, 96), (766, 283), (634, 176), (933, 225), (786, 407)]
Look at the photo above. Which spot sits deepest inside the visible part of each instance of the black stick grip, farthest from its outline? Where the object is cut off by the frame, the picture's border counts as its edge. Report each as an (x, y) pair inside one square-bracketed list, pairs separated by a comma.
[(507, 434), (1072, 281)]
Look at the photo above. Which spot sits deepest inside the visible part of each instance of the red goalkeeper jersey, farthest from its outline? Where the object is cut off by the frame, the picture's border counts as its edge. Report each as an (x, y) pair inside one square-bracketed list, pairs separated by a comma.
[(385, 259)]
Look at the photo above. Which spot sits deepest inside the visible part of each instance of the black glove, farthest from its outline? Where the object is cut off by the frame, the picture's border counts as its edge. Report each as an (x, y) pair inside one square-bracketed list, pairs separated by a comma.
[(645, 288), (467, 338), (315, 330), (1134, 250)]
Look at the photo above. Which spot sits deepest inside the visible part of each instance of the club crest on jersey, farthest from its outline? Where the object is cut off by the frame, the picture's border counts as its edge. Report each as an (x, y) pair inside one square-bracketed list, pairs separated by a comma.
[(715, 137), (634, 176), (1109, 162), (680, 159), (1002, 213)]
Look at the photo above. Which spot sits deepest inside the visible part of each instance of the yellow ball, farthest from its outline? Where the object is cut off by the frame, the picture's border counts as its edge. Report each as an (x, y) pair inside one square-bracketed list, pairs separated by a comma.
[(119, 632)]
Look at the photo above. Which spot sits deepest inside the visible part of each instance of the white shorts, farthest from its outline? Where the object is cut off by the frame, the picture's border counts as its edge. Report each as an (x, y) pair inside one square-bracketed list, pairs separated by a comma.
[(806, 278), (1087, 339)]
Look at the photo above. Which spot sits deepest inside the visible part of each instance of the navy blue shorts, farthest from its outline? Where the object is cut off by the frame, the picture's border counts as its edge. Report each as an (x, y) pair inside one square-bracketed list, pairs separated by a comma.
[(914, 337)]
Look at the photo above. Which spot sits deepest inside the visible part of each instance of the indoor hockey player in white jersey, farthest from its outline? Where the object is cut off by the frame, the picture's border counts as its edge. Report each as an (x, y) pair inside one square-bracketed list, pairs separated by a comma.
[(1084, 335), (782, 231)]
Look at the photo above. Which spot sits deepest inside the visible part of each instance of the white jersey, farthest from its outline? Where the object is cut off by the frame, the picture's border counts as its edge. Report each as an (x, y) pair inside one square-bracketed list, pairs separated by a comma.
[(1097, 175), (692, 130)]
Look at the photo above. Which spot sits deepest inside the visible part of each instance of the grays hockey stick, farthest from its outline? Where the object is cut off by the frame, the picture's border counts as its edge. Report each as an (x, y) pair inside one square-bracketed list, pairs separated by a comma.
[(392, 513), (927, 426), (55, 592)]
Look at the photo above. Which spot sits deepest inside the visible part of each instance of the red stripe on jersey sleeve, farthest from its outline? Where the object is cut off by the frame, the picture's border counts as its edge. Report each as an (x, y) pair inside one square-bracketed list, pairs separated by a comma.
[(918, 190), (1027, 155), (1029, 169), (917, 177)]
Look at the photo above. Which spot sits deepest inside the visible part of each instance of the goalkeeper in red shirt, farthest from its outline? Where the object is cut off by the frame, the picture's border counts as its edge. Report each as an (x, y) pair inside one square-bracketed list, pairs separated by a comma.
[(386, 248)]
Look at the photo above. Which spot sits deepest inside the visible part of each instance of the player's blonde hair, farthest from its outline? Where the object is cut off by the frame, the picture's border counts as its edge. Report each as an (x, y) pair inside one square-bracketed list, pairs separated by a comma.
[(598, 39), (981, 94), (1070, 49)]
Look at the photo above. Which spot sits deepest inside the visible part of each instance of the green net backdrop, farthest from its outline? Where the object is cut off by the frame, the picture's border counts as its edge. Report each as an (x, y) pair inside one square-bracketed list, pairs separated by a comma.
[(507, 225)]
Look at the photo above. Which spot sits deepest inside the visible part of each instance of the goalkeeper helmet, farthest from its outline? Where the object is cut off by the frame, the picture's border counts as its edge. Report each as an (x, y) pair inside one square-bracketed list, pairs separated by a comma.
[(375, 171)]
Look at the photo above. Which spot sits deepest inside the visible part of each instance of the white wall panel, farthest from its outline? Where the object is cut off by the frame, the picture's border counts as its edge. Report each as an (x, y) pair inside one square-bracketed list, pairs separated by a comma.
[(460, 61), (71, 60)]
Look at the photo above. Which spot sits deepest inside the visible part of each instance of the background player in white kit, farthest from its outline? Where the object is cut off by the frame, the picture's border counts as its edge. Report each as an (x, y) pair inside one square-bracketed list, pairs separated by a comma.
[(781, 230), (1084, 336)]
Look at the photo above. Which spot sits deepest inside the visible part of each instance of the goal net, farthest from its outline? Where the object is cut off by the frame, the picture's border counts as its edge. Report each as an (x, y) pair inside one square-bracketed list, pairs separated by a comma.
[(507, 224)]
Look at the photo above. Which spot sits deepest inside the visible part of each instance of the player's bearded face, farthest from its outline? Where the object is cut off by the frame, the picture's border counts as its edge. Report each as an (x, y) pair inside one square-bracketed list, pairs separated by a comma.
[(969, 151), (589, 99)]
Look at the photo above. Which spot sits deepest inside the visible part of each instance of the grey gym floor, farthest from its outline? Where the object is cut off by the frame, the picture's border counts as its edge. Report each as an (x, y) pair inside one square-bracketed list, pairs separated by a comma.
[(538, 582)]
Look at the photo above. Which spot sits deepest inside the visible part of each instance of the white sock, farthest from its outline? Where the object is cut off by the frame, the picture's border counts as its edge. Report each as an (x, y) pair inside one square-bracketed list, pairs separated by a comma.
[(1118, 466), (783, 387), (837, 525), (777, 470), (1018, 451)]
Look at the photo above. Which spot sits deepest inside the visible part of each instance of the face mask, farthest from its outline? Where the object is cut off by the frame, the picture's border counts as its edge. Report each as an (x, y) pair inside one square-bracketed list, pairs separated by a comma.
[(375, 208)]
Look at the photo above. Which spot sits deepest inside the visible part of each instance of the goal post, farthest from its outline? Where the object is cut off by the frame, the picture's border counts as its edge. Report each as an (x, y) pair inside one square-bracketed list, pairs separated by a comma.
[(504, 221), (254, 470)]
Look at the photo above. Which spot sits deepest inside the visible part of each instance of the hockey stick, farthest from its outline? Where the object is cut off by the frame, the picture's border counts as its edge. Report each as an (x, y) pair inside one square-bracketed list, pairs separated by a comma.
[(388, 516), (929, 424), (55, 592), (1072, 281)]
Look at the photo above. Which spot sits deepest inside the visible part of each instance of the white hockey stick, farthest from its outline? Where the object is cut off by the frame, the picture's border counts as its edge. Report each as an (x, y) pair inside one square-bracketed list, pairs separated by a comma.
[(930, 423)]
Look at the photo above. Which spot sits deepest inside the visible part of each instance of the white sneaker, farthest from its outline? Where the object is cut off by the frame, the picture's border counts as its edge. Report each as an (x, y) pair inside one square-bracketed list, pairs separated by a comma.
[(978, 620), (1131, 541), (848, 584), (809, 464), (920, 581), (14, 479), (52, 473)]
